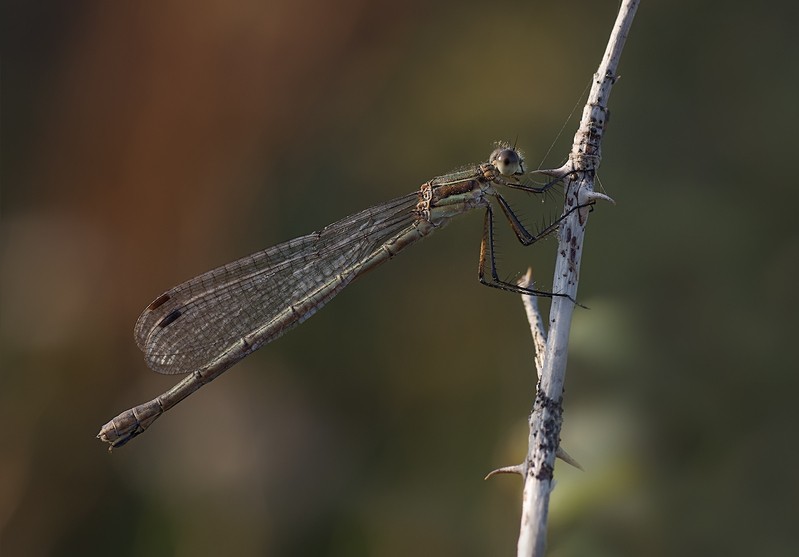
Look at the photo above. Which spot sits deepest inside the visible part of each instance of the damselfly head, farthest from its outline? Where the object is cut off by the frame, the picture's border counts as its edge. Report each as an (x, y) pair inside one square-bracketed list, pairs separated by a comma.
[(507, 160)]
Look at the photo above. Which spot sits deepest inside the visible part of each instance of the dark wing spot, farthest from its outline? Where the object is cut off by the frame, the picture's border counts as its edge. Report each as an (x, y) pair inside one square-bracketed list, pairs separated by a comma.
[(158, 302), (170, 318)]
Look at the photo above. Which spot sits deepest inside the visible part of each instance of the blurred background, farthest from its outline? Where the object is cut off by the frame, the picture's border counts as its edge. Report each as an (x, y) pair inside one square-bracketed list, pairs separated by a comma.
[(146, 142)]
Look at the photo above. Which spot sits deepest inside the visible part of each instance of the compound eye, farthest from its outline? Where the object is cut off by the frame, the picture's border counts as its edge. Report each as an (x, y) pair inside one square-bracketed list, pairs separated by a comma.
[(507, 161)]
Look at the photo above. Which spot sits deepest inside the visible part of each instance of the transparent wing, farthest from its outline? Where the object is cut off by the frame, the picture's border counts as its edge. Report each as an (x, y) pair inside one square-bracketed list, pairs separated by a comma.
[(188, 326)]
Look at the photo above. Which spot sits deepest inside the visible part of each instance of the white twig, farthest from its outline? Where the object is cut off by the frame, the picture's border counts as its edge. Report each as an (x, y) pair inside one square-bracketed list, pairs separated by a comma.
[(539, 333), (535, 320), (545, 419), (539, 340)]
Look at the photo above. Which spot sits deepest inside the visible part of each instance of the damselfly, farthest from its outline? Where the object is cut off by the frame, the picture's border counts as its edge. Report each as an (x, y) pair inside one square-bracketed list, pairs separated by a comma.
[(209, 323)]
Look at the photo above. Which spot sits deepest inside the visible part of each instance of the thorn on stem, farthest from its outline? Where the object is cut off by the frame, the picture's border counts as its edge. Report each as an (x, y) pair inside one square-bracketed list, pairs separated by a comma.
[(556, 172), (515, 469), (568, 459), (521, 469), (596, 196)]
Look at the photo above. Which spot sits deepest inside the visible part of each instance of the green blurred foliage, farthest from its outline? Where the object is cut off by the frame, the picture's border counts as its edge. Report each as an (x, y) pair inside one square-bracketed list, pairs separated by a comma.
[(144, 143)]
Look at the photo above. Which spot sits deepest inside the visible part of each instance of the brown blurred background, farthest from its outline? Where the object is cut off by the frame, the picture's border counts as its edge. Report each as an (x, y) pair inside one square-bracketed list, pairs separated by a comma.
[(146, 142)]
